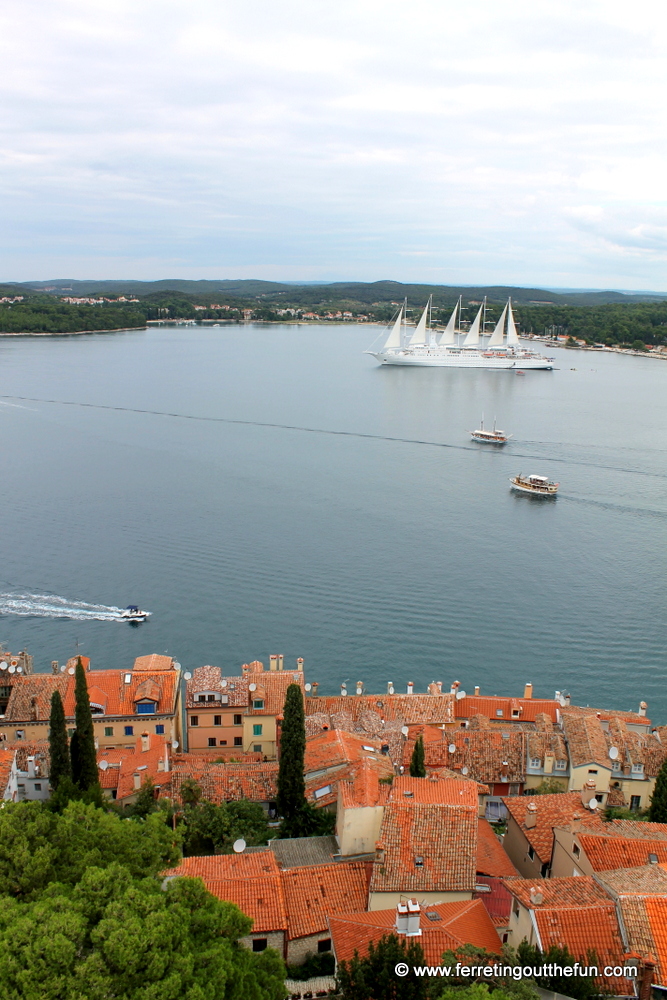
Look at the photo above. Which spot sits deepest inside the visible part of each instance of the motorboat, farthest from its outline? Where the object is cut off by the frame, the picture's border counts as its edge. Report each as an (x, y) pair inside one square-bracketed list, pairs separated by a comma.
[(537, 486), (134, 614), (489, 437)]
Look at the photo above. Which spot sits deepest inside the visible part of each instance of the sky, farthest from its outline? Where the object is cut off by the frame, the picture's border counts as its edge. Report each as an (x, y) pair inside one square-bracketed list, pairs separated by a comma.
[(478, 142)]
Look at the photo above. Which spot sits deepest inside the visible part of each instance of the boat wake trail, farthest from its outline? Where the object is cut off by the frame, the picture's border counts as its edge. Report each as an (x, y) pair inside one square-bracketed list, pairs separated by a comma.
[(48, 606)]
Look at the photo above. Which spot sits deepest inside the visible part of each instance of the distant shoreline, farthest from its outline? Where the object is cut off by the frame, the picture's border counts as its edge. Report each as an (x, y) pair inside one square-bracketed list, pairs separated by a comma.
[(66, 333)]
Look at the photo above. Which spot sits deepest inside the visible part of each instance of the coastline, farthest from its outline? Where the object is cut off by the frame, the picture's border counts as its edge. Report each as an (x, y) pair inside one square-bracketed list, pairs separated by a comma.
[(66, 333)]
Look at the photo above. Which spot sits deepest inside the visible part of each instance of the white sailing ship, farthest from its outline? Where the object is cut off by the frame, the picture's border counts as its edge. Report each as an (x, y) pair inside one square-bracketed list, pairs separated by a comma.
[(455, 348)]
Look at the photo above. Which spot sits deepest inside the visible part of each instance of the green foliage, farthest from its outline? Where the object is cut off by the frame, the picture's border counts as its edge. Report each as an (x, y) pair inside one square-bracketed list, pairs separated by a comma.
[(314, 965), (499, 986), (373, 977), (658, 809), (308, 822), (579, 987), (211, 829), (112, 935), (84, 755), (145, 802), (549, 786), (291, 785), (39, 846), (60, 763), (417, 766)]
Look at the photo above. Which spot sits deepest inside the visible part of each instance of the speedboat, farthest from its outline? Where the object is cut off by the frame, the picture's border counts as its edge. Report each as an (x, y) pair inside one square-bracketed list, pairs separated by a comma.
[(537, 486), (133, 614)]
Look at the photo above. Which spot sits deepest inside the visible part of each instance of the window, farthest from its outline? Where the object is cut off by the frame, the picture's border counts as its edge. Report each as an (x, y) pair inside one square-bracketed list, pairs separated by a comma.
[(159, 730), (38, 787), (210, 697), (223, 743), (20, 733), (324, 945), (635, 802), (194, 720), (129, 730), (238, 741), (146, 708), (201, 697), (531, 852), (637, 768), (576, 850), (544, 871), (108, 730), (592, 770), (212, 741), (515, 908), (258, 703), (561, 765), (321, 792), (238, 720), (70, 732), (256, 730), (257, 748), (419, 861), (535, 762), (616, 765), (499, 713), (259, 944), (217, 720), (515, 713)]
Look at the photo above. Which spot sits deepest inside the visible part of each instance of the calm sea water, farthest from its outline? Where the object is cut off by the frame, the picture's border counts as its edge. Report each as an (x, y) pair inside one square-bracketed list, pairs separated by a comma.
[(374, 559)]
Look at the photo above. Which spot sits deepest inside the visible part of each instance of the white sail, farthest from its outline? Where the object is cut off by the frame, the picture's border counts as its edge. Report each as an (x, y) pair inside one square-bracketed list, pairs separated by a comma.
[(447, 336), (512, 335), (394, 338), (418, 338), (472, 339), (497, 335)]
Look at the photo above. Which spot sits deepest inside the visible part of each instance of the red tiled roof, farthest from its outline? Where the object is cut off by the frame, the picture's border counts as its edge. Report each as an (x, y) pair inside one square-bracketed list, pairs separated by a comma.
[(39, 749), (121, 697), (527, 708), (153, 662), (348, 775), (210, 679), (261, 899), (219, 867), (6, 763), (363, 787), (620, 852), (649, 880), (428, 847), (226, 782), (489, 755), (584, 928), (559, 893), (334, 748), (313, 893), (492, 858), (406, 708), (435, 790), (460, 923), (605, 714), (552, 811), (30, 698), (272, 690)]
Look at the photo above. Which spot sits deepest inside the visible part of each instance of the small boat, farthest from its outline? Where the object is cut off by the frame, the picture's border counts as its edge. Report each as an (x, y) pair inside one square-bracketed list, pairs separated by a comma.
[(489, 437), (537, 486), (521, 373), (133, 614)]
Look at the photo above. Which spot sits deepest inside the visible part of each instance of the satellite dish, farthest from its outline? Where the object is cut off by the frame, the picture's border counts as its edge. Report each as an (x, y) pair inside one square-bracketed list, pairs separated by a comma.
[(19, 670), (464, 770), (177, 665), (343, 691), (452, 747), (613, 753), (308, 687), (252, 687), (63, 668), (71, 670), (405, 730), (459, 695), (103, 765), (187, 675), (175, 744), (593, 804), (223, 684), (3, 665), (12, 668), (239, 846)]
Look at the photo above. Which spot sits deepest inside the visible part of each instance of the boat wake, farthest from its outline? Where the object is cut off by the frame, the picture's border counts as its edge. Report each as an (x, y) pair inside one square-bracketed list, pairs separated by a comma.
[(49, 606)]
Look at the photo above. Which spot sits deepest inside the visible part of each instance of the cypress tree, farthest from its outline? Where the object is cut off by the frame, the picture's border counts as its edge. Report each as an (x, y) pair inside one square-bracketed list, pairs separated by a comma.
[(658, 810), (291, 798), (84, 757), (417, 767), (61, 765)]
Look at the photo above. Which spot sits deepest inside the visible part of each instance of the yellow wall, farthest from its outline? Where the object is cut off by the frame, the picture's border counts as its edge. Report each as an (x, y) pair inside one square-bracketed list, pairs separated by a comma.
[(389, 900)]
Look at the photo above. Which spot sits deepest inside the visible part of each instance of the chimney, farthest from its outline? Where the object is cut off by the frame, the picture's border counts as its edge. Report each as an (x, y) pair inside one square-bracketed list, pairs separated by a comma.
[(299, 664), (528, 690), (166, 757), (313, 689), (477, 690), (646, 981), (411, 687), (414, 913), (145, 742), (588, 791), (31, 767), (439, 683), (402, 918), (531, 816), (536, 897), (160, 764), (379, 852), (55, 667), (390, 687), (455, 686), (281, 661), (567, 699), (273, 661), (360, 687), (343, 688), (575, 825), (137, 781), (642, 707)]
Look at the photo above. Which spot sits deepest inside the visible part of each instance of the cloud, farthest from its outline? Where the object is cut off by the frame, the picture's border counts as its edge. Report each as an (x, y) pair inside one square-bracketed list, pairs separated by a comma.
[(217, 138)]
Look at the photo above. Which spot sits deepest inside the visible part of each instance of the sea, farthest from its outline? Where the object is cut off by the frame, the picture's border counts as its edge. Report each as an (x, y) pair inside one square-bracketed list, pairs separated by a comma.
[(271, 489)]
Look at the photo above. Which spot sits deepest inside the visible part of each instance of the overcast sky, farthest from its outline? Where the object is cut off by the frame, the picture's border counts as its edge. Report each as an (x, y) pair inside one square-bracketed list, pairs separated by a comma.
[(476, 141)]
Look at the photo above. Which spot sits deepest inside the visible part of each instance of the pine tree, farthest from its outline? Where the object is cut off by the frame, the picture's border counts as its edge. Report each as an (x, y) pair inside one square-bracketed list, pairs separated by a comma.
[(61, 765), (291, 798), (417, 767), (84, 757), (658, 809)]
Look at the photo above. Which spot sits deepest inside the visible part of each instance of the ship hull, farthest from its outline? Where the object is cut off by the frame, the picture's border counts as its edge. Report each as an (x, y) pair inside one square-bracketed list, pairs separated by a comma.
[(465, 359)]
